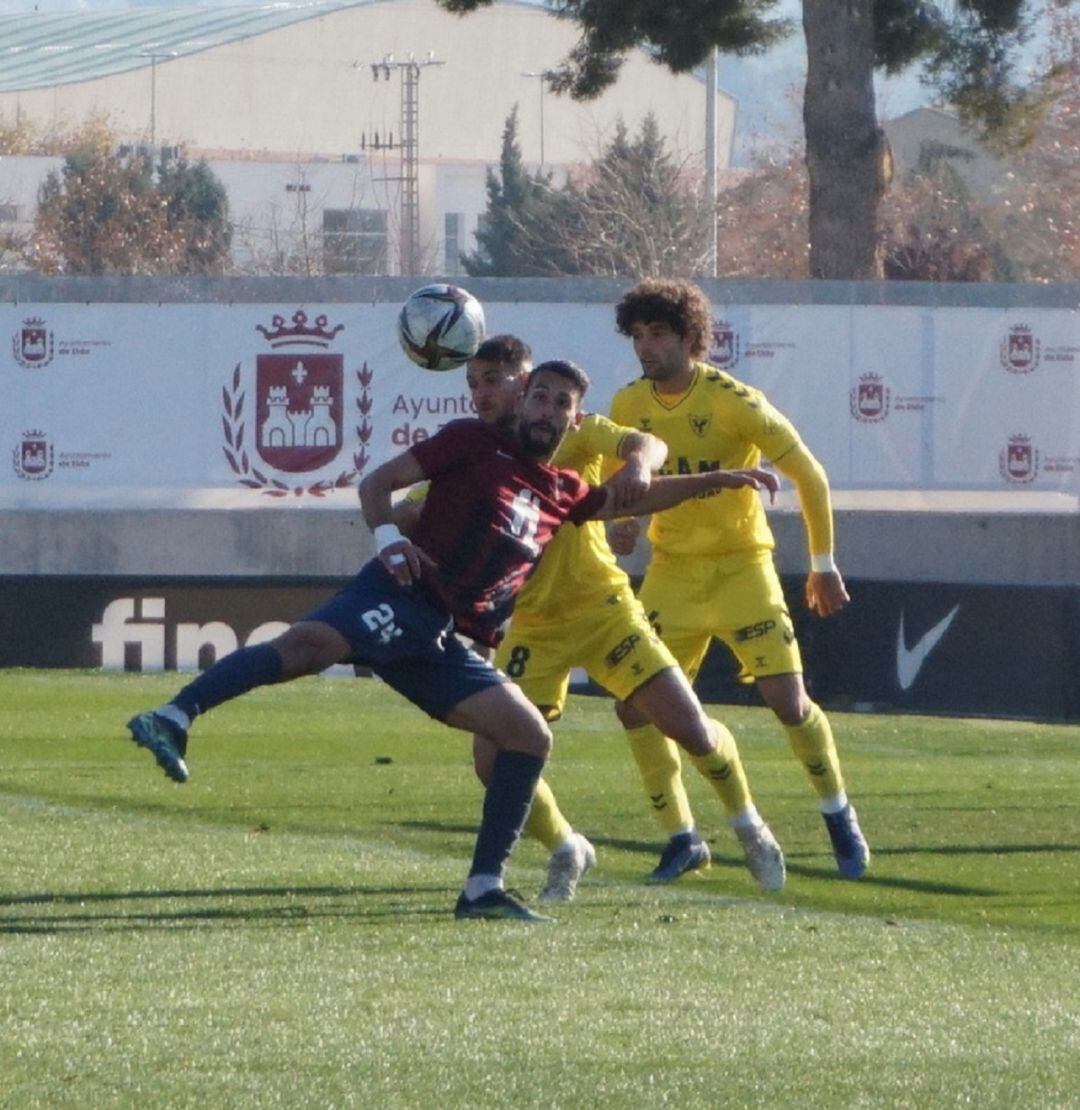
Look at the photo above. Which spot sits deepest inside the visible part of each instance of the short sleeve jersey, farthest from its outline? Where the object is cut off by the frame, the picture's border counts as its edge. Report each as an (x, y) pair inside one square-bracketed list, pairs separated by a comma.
[(718, 423), (489, 512), (578, 566)]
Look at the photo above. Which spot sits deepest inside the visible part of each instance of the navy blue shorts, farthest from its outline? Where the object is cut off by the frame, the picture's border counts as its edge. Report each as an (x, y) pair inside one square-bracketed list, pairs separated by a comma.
[(407, 639)]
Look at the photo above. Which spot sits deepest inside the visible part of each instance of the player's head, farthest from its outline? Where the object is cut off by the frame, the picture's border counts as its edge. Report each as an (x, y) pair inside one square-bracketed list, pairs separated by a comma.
[(496, 376), (670, 323), (550, 406)]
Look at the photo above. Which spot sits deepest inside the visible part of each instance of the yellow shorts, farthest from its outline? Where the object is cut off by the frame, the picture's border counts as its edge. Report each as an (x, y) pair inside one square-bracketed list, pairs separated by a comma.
[(611, 640), (690, 600)]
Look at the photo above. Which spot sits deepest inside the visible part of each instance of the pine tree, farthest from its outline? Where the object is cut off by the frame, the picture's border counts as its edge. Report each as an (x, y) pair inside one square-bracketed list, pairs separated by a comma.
[(520, 207)]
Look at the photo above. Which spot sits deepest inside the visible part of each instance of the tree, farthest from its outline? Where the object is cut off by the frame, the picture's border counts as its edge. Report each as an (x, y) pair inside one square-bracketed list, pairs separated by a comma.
[(1038, 219), (104, 213), (513, 239), (633, 211), (967, 48)]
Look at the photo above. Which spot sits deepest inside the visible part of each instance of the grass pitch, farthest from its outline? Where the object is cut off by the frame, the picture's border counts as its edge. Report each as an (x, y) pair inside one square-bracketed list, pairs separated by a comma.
[(278, 932)]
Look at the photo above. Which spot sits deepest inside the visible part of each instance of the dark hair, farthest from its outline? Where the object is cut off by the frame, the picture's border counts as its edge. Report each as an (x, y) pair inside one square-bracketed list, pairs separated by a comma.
[(565, 369), (679, 304), (508, 351)]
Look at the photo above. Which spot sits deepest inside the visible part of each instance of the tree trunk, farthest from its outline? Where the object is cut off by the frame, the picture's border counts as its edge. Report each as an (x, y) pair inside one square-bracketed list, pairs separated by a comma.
[(843, 142)]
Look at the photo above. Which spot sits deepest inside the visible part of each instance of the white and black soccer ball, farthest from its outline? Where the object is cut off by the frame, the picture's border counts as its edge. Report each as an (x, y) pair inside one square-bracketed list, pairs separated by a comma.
[(441, 326)]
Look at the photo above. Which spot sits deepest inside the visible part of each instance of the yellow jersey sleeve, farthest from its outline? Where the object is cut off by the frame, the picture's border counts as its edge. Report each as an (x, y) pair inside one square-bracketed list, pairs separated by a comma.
[(577, 568), (718, 423), (811, 483)]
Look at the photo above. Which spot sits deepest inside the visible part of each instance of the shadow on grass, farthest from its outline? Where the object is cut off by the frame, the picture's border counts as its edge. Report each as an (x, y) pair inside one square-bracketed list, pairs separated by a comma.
[(735, 861), (386, 902)]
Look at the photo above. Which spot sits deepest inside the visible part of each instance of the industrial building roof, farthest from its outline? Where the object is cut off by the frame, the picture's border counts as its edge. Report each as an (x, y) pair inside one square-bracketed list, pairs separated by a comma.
[(40, 49)]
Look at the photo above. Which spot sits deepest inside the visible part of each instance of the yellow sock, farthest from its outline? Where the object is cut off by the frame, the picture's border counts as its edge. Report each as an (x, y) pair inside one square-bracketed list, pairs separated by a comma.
[(814, 747), (724, 770), (658, 761), (546, 822)]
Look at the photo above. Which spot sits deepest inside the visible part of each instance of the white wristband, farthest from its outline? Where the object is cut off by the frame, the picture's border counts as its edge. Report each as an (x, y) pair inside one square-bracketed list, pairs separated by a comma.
[(823, 564), (385, 535)]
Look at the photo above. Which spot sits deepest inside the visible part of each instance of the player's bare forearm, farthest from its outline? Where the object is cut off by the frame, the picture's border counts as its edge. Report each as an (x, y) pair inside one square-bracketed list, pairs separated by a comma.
[(669, 491), (376, 489), (641, 454), (399, 555), (650, 449)]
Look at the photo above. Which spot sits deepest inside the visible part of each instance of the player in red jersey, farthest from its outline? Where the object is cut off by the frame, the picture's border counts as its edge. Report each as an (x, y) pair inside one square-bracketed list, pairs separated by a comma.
[(493, 504)]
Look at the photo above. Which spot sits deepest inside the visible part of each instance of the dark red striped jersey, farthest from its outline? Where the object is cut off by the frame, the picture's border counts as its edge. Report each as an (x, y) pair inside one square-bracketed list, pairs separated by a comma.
[(489, 511)]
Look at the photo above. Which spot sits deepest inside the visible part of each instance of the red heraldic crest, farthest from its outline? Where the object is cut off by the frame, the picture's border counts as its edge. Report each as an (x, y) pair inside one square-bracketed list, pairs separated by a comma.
[(299, 409)]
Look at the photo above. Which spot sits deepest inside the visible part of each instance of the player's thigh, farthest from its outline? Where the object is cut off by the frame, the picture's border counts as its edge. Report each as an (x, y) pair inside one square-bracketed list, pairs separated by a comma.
[(757, 626), (675, 599), (668, 701), (620, 650), (538, 657), (507, 718)]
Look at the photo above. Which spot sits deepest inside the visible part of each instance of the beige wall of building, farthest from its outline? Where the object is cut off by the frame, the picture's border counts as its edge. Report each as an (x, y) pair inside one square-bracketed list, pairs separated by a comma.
[(299, 90)]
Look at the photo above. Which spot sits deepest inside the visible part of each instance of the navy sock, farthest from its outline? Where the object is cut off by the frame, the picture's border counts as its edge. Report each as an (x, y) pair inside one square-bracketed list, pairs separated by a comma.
[(228, 678), (506, 806)]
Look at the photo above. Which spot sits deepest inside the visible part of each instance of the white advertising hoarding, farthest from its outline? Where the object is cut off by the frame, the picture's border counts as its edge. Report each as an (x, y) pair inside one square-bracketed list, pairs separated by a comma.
[(214, 405)]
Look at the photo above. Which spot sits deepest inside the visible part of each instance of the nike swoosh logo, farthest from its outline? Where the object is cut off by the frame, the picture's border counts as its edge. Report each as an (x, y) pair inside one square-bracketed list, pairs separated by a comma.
[(909, 661)]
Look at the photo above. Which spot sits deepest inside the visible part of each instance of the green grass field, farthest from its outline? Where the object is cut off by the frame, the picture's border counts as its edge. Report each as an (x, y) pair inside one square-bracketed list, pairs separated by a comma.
[(278, 932)]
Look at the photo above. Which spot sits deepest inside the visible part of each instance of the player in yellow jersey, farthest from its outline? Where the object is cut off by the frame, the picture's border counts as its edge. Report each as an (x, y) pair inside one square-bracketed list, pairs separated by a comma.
[(578, 610), (711, 573)]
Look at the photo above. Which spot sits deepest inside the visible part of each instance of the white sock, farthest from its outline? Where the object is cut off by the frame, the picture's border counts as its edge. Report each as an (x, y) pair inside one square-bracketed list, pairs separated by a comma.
[(478, 885), (748, 818), (175, 714), (834, 803)]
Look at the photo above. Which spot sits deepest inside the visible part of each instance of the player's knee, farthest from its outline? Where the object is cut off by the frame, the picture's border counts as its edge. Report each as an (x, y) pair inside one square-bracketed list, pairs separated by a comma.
[(307, 648), (792, 712), (629, 717), (542, 740), (696, 737)]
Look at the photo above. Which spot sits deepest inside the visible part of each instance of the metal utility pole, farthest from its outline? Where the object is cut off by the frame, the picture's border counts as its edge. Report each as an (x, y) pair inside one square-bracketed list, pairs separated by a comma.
[(409, 148), (711, 163), (153, 56), (543, 75)]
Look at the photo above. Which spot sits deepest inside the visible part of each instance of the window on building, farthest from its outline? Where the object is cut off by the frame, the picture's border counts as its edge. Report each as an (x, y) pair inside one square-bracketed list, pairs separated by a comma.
[(453, 233), (9, 213), (354, 241)]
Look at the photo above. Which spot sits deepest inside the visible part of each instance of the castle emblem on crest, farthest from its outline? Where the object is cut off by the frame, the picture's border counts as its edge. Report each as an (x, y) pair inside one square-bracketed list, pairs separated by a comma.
[(869, 400), (32, 458), (1019, 460), (1020, 350), (299, 407), (32, 345), (724, 349)]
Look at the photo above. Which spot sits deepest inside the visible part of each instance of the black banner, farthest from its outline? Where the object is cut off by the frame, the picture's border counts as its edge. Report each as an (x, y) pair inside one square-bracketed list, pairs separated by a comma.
[(1002, 651)]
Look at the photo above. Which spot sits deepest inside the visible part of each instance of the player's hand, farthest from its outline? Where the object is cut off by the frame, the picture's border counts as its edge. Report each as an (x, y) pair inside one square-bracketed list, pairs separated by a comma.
[(826, 593), (405, 561), (629, 484), (623, 535), (755, 477)]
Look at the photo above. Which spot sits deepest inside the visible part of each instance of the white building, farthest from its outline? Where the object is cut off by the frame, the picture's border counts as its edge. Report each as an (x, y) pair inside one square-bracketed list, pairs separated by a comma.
[(334, 124)]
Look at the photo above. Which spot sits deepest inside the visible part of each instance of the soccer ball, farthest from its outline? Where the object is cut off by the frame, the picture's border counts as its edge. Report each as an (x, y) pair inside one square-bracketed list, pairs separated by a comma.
[(441, 326)]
